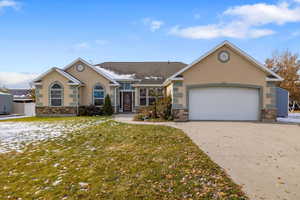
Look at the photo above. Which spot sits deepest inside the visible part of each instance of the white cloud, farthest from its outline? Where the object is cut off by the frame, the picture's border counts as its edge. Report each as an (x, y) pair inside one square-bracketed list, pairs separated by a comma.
[(154, 25), (261, 13), (9, 4), (16, 79), (220, 30), (244, 21)]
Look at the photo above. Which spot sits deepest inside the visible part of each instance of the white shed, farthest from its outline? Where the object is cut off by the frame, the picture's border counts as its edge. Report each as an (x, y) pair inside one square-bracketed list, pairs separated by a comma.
[(6, 101)]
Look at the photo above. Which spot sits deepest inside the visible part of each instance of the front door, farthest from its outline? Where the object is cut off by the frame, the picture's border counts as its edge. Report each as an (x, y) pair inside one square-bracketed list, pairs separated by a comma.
[(127, 101)]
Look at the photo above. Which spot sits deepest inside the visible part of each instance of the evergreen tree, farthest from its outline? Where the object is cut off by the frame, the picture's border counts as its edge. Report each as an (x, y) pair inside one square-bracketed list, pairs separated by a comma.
[(107, 108)]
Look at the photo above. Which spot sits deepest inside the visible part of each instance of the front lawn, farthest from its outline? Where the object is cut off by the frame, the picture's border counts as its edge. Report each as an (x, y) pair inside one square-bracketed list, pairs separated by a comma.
[(112, 160)]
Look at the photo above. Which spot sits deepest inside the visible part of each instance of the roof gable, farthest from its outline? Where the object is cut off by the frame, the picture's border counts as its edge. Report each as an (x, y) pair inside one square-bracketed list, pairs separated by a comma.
[(238, 51), (92, 67), (68, 76)]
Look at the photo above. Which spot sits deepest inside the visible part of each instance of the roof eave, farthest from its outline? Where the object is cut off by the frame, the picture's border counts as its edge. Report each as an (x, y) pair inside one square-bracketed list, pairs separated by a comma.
[(274, 79), (91, 66), (250, 58)]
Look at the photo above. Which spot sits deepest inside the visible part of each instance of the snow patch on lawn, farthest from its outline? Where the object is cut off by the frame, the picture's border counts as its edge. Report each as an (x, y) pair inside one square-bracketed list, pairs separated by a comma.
[(292, 118), (294, 115), (16, 135)]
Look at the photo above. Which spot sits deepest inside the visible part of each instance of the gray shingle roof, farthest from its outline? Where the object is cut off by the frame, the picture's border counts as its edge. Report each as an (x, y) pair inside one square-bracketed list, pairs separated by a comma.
[(148, 72)]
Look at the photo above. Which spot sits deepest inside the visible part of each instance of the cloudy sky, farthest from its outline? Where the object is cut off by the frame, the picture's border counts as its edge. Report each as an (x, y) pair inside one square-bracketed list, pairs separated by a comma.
[(36, 35)]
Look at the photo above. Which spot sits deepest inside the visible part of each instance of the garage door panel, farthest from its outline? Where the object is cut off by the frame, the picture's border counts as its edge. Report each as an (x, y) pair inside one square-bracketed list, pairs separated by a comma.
[(219, 103)]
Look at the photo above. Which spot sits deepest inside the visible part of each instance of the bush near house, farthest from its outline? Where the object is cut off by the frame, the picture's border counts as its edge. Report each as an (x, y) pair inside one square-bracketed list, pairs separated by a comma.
[(90, 110), (93, 110), (107, 108), (161, 110)]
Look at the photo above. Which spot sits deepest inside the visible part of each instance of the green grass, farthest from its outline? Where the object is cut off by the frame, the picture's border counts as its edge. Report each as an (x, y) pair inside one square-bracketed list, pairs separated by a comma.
[(115, 161)]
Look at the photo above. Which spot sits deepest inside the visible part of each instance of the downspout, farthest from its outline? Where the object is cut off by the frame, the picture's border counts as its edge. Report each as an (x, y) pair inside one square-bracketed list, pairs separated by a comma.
[(77, 106), (115, 99)]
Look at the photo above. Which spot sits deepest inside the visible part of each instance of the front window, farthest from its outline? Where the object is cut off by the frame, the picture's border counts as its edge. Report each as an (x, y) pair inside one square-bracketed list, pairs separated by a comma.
[(98, 95), (56, 95), (143, 96), (125, 86), (155, 94), (148, 96)]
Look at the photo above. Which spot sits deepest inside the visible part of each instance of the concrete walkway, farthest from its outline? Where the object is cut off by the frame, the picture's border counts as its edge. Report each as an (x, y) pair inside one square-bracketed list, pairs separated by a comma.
[(6, 117), (263, 158)]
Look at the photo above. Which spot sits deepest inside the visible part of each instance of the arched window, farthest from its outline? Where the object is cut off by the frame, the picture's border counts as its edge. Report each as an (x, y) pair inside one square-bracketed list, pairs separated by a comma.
[(56, 95), (98, 95)]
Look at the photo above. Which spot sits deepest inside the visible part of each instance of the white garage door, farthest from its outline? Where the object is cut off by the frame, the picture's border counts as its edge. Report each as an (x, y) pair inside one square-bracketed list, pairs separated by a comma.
[(223, 103)]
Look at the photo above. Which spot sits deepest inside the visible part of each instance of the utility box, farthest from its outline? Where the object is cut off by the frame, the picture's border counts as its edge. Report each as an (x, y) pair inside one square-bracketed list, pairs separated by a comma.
[(6, 101), (282, 102)]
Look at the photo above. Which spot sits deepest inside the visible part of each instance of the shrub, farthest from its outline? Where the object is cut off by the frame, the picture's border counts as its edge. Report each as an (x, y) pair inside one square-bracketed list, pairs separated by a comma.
[(162, 109), (139, 117), (90, 110), (107, 108)]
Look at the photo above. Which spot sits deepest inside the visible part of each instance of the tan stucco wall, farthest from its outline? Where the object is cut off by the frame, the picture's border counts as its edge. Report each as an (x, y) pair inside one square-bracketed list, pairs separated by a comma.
[(169, 89), (90, 78), (44, 90), (210, 70)]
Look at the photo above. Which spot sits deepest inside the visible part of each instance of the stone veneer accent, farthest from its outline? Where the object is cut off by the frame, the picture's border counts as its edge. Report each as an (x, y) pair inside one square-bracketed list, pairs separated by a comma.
[(56, 111), (180, 115), (38, 95), (269, 115), (74, 95)]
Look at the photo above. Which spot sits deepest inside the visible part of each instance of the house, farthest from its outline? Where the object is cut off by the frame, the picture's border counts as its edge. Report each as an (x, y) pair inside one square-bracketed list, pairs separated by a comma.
[(223, 84), (21, 95), (23, 102)]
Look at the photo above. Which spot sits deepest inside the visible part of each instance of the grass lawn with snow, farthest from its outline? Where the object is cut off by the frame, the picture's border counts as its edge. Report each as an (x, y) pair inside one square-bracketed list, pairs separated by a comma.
[(111, 160)]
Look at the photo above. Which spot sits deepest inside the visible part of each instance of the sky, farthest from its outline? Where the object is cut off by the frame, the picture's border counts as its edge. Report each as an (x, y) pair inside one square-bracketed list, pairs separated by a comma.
[(36, 35)]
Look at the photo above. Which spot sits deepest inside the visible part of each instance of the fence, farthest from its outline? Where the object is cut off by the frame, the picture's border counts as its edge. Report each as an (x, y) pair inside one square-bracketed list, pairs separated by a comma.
[(27, 109)]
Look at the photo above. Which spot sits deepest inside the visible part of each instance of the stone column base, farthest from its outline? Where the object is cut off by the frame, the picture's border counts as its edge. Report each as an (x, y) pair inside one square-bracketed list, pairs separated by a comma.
[(269, 115), (56, 111), (180, 115)]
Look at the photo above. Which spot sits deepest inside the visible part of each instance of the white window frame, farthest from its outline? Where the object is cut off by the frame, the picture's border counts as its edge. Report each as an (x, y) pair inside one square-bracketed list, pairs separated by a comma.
[(61, 89), (147, 95), (98, 90)]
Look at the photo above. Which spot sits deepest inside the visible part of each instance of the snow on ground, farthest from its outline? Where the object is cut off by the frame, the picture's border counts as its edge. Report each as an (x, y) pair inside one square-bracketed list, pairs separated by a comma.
[(16, 135), (6, 117), (292, 118)]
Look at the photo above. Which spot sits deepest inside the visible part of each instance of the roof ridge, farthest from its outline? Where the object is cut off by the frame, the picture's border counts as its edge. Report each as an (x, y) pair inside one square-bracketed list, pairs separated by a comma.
[(140, 62)]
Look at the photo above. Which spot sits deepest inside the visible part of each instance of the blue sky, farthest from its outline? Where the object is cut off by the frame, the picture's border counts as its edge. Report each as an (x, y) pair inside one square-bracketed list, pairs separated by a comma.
[(36, 35)]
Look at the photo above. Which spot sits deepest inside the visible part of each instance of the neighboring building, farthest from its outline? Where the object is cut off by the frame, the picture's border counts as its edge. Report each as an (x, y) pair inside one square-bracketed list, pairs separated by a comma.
[(6, 101), (21, 95), (223, 84)]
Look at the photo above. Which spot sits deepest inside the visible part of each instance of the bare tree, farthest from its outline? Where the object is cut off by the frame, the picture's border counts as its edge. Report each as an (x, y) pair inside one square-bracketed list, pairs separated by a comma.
[(286, 64)]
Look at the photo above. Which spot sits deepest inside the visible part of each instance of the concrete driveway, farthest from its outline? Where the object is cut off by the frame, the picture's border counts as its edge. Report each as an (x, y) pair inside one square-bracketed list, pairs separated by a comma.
[(263, 158)]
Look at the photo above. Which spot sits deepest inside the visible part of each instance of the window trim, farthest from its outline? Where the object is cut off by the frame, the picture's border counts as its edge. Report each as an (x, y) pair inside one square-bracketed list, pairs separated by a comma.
[(93, 94), (148, 94), (124, 89), (62, 93)]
